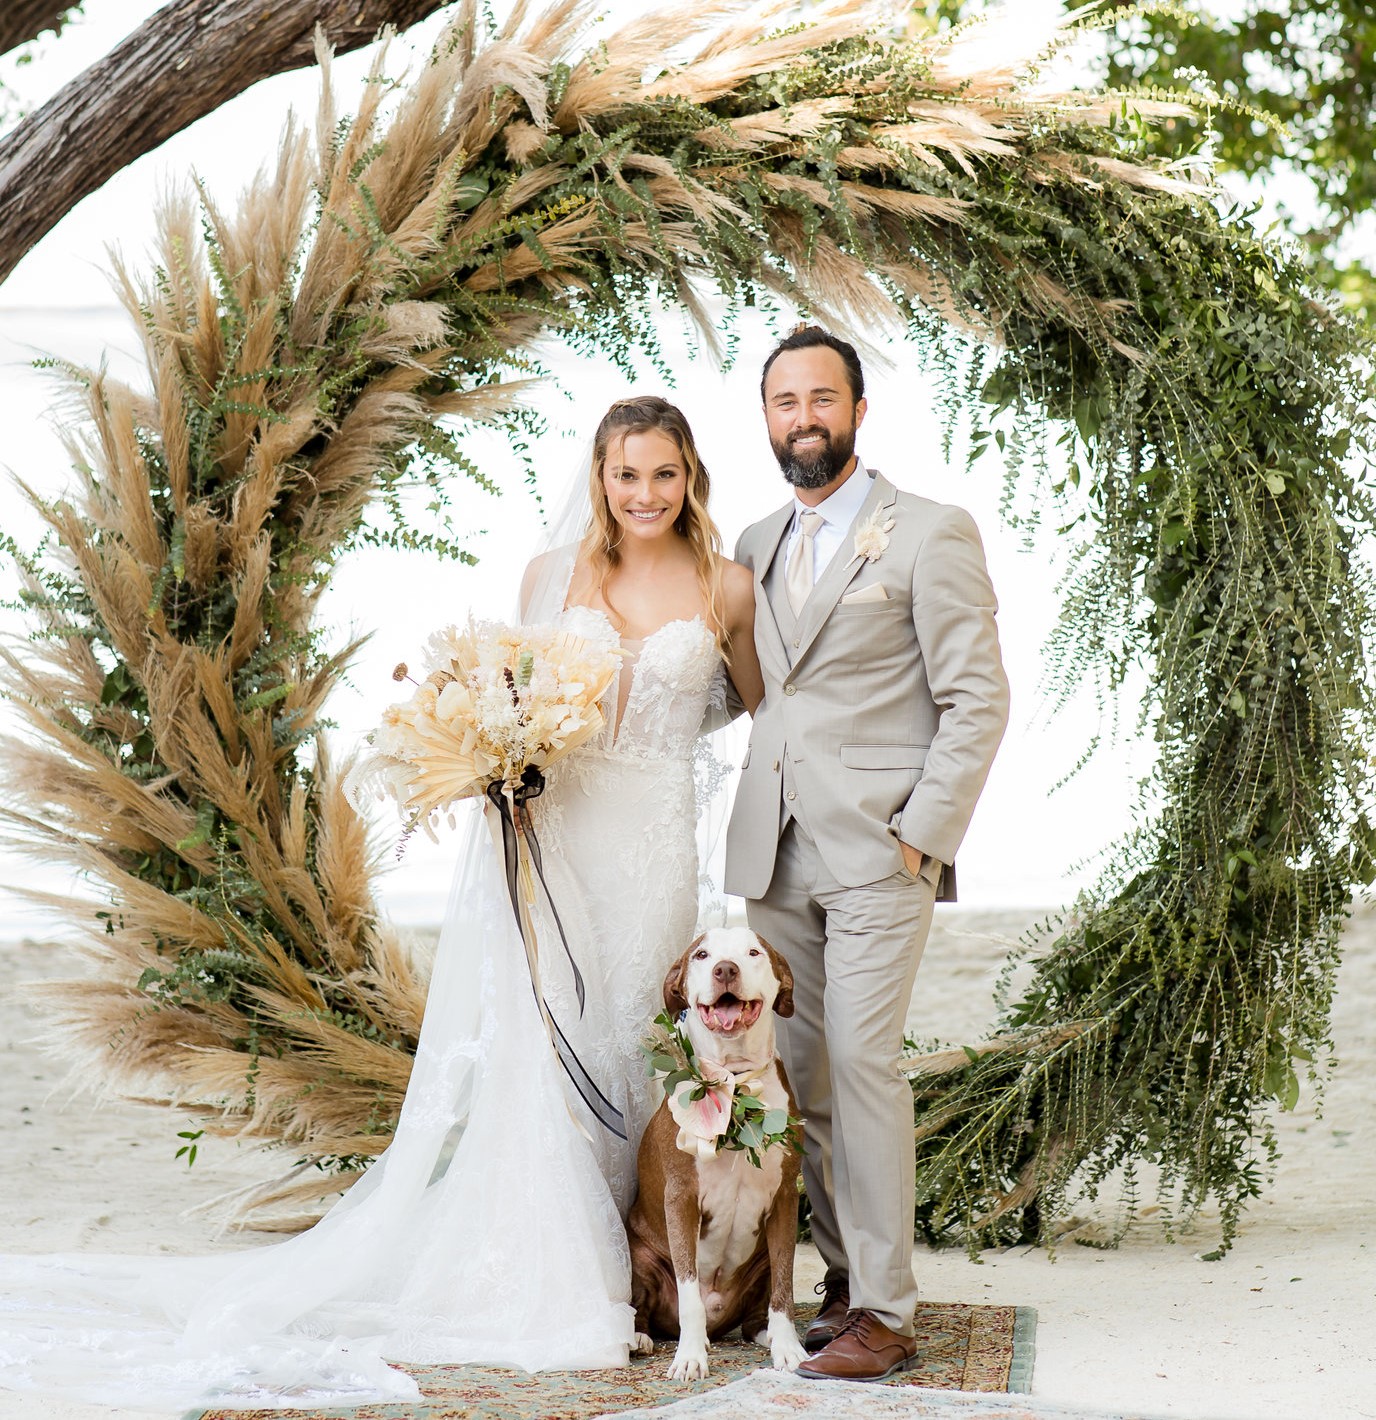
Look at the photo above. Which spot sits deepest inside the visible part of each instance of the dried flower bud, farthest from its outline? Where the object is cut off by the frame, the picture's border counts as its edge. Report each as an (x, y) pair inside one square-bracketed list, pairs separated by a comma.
[(399, 671)]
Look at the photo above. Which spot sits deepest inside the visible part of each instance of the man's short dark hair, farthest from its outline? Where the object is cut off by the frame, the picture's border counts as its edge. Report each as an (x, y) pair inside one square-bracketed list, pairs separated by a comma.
[(805, 337)]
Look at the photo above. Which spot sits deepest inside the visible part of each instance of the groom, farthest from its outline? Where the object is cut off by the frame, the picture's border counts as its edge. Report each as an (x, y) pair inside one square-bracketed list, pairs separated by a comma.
[(885, 700)]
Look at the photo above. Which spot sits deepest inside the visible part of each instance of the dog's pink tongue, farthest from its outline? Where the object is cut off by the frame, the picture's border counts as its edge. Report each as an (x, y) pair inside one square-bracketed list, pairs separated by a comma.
[(728, 1014)]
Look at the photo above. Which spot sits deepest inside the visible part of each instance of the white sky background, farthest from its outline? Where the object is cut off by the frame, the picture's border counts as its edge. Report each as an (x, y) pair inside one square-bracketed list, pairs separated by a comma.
[(1027, 845)]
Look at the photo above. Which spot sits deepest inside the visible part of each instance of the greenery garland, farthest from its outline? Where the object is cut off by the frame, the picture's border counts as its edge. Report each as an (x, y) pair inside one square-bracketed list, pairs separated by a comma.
[(303, 352)]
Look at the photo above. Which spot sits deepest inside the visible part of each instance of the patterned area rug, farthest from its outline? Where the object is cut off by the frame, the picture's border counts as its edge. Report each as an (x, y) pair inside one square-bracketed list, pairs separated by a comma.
[(962, 1348), (776, 1395)]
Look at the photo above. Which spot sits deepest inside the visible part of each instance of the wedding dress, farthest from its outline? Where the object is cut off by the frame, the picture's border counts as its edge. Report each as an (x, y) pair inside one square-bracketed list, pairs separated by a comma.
[(490, 1231)]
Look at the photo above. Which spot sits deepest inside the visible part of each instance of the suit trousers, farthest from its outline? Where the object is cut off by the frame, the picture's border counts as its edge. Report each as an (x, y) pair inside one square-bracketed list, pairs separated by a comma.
[(854, 953)]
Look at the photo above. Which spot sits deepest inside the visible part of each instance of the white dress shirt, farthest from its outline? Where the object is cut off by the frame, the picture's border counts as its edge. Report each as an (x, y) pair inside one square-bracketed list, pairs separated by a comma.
[(838, 511)]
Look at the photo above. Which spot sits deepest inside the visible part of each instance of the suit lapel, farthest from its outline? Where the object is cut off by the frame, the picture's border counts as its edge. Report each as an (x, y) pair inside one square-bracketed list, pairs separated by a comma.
[(771, 645), (841, 571)]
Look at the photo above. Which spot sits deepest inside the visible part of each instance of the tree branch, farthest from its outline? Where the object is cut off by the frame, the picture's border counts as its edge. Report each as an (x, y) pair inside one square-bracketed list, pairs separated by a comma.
[(181, 64), (24, 20)]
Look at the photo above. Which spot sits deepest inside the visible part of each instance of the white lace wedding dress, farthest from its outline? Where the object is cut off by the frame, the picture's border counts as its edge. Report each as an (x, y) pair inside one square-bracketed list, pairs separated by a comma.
[(491, 1230)]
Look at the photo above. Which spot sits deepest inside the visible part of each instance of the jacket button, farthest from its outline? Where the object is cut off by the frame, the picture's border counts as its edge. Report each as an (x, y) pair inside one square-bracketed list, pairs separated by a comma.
[(796, 644), (791, 794), (790, 690), (776, 766)]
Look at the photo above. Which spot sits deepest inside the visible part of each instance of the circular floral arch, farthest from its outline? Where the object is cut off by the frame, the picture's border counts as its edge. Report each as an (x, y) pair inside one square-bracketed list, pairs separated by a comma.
[(396, 269)]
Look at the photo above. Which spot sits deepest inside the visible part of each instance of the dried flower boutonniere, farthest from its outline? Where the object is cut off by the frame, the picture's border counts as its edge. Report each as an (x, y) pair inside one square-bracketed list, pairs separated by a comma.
[(872, 536)]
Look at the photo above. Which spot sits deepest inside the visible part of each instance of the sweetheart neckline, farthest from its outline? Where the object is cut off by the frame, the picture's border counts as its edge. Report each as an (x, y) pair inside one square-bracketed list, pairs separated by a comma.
[(643, 640)]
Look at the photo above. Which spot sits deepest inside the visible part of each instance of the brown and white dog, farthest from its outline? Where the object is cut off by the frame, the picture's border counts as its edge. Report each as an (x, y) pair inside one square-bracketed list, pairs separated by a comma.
[(712, 1236)]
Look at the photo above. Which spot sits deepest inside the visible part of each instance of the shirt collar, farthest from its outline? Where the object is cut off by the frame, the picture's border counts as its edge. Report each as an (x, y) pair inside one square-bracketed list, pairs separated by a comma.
[(840, 508)]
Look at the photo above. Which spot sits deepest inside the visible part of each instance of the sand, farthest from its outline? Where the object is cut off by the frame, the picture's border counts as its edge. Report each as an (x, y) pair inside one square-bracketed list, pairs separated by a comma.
[(1281, 1327)]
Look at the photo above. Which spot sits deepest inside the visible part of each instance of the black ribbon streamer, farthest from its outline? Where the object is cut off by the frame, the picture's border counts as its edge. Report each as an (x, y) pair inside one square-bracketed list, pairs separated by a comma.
[(532, 785)]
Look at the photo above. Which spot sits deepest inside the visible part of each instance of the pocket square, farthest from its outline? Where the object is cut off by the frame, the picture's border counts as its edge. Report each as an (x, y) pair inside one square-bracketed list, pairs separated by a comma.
[(873, 593)]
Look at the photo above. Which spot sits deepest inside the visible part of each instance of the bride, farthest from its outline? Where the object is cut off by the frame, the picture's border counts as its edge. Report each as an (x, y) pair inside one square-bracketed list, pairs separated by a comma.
[(491, 1229)]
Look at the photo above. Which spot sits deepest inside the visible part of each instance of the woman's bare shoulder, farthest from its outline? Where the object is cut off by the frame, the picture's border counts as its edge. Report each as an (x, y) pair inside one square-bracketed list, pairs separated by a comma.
[(541, 560), (544, 566), (738, 592), (736, 577), (737, 583)]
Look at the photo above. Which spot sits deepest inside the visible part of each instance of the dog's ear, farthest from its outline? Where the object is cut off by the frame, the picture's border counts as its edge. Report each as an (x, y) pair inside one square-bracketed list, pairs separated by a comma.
[(783, 1002), (675, 991)]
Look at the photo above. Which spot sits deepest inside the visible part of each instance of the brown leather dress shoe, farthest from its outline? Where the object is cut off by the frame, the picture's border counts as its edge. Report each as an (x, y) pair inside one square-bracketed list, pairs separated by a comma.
[(822, 1329), (863, 1349)]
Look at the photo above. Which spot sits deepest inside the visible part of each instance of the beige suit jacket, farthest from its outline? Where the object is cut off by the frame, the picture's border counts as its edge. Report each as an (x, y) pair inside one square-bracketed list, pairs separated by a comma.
[(888, 709)]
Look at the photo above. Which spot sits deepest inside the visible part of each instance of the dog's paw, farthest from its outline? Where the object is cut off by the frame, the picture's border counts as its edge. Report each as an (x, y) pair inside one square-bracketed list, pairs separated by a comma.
[(788, 1355), (781, 1336), (690, 1363), (642, 1345)]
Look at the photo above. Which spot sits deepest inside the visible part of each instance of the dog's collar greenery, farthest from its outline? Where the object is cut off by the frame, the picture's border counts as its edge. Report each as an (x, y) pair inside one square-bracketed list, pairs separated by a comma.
[(753, 1126)]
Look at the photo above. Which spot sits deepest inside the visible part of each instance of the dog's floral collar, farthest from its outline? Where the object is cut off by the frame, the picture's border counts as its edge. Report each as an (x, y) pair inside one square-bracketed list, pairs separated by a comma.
[(872, 536), (714, 1108)]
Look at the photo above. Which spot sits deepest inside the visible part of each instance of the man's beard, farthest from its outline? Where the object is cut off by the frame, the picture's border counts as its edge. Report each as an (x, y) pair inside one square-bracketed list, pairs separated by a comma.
[(818, 466)]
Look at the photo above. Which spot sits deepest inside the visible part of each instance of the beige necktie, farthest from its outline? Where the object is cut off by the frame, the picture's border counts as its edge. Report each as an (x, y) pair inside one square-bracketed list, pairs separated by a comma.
[(798, 574)]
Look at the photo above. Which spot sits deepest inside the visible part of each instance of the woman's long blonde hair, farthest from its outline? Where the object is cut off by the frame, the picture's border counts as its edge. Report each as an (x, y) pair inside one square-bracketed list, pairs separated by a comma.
[(601, 549)]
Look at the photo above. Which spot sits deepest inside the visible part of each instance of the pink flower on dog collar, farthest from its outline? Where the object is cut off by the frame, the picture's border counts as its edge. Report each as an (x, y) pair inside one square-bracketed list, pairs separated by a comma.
[(714, 1107), (702, 1121)]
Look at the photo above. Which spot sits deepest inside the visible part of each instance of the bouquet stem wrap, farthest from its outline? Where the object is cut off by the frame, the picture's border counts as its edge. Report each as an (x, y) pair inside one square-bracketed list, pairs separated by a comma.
[(520, 855)]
